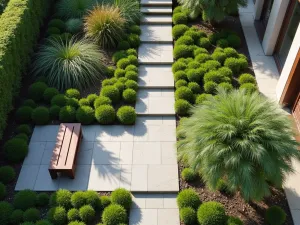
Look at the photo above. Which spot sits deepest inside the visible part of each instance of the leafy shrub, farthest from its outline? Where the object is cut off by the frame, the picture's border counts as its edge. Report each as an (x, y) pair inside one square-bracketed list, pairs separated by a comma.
[(123, 63), (84, 102), (74, 25), (182, 107), (62, 198), (73, 215), (111, 92), (6, 210), (234, 221), (105, 201), (23, 114), (49, 93), (58, 24), (234, 41), (72, 93), (15, 150), (215, 76), (102, 100), (226, 72), (227, 86), (179, 30), (211, 65), (196, 89), (131, 68), (231, 52), (2, 191), (123, 45), (194, 65), (119, 72), (188, 174), (178, 66), (78, 199), (126, 115), (31, 215), (275, 215), (36, 90), (131, 75), (182, 51), (202, 57), (243, 63), (67, 114), (134, 40), (210, 87), (85, 115), (249, 88), (184, 40), (129, 95), (73, 102), (180, 18), (92, 98), (105, 114), (222, 187), (105, 25), (222, 43), (87, 213), (92, 198), (59, 100), (42, 199), (54, 112), (57, 215), (135, 29), (233, 64), (181, 83), (27, 223), (133, 60), (30, 103), (76, 223), (110, 71), (132, 85), (76, 63), (196, 35), (114, 214), (121, 197), (246, 78), (7, 174), (180, 75), (52, 31), (195, 75), (188, 215), (184, 93), (43, 222), (204, 43), (40, 115), (24, 199), (188, 198), (120, 86), (211, 213), (22, 136), (131, 51), (198, 51), (108, 82), (16, 217), (219, 56)]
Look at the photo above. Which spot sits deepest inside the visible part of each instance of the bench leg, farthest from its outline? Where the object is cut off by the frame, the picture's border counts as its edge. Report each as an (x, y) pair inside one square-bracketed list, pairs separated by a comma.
[(72, 173), (53, 174)]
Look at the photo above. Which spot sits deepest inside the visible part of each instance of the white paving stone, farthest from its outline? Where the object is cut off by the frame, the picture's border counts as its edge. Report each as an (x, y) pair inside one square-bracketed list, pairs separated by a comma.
[(27, 177), (163, 178), (156, 33), (143, 217), (157, 10), (147, 153), (168, 217), (44, 181), (156, 19), (155, 53), (156, 76), (139, 178), (35, 153), (156, 2)]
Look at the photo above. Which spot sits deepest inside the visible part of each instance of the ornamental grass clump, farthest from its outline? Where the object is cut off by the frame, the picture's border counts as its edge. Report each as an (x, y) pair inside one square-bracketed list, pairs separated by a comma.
[(249, 136), (71, 64), (73, 8)]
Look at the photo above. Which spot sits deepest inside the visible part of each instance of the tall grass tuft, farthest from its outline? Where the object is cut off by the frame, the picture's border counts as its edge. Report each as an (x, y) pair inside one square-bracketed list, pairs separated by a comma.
[(70, 64), (74, 8)]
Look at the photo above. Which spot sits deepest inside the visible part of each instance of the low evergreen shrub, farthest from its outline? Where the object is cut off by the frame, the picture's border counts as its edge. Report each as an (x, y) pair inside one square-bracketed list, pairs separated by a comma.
[(179, 18), (16, 217), (24, 199), (59, 100), (121, 197), (134, 40), (178, 66), (85, 115), (135, 29), (211, 65), (42, 199), (62, 198), (123, 63), (105, 114), (234, 221), (102, 100), (29, 103), (31, 215), (202, 57), (248, 88), (49, 93), (180, 75), (67, 114), (233, 64), (7, 174), (132, 85), (132, 75), (182, 107), (87, 213), (73, 93), (181, 83), (123, 45), (188, 216), (36, 90), (114, 214), (40, 115), (111, 92), (196, 89), (131, 68), (227, 86), (73, 215), (246, 78), (15, 150), (201, 98), (23, 114), (129, 95), (126, 115), (57, 215), (222, 43), (196, 75), (188, 174), (133, 60), (204, 43), (184, 93), (188, 198), (184, 40), (198, 51), (211, 213), (179, 30), (78, 199), (210, 87), (2, 191), (54, 112), (275, 215), (105, 201), (6, 210), (24, 128), (234, 41), (183, 51)]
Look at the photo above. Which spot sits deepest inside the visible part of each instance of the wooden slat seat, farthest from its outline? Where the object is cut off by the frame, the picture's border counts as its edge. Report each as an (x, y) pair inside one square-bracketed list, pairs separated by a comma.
[(66, 149)]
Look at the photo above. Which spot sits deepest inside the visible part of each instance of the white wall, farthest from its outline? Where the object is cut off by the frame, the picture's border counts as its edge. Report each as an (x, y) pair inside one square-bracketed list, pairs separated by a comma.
[(288, 64), (258, 9)]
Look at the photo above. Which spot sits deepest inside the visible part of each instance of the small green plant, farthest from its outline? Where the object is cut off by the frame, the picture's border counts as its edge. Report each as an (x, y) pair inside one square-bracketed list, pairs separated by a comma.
[(43, 222), (129, 95), (23, 114), (24, 199), (36, 90), (178, 66), (222, 43), (222, 187), (7, 174), (226, 86), (135, 29), (49, 93), (194, 65), (211, 213), (198, 51), (87, 213), (182, 107), (22, 136), (204, 43), (188, 198), (2, 191), (73, 215), (210, 87), (54, 112), (226, 72), (92, 198), (131, 51), (31, 215), (126, 115), (67, 114), (275, 215), (91, 98), (188, 174), (110, 71), (180, 75), (42, 199), (111, 92), (123, 63), (15, 150), (105, 114), (84, 102), (185, 40), (246, 78), (24, 128), (40, 115), (234, 221), (29, 103), (62, 198), (196, 89), (184, 93), (132, 75), (57, 215), (119, 73), (183, 51), (74, 25), (215, 76), (59, 100), (181, 83), (85, 115), (118, 56), (123, 45), (188, 215), (211, 65), (16, 217), (179, 30), (73, 93), (57, 23), (114, 214), (133, 60), (132, 85), (196, 75), (102, 100), (6, 210), (134, 40), (105, 201), (249, 88), (180, 18), (234, 41), (202, 57), (131, 68), (78, 199), (121, 197)]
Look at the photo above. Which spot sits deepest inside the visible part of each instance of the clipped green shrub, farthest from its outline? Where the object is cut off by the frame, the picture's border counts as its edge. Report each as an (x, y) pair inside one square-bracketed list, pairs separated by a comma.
[(105, 201), (248, 88), (204, 43), (188, 215), (210, 87), (227, 86), (234, 41), (135, 29), (59, 100), (196, 89), (234, 221), (123, 45), (78, 199), (132, 85), (87, 213), (110, 71), (73, 93), (180, 75), (233, 64), (196, 75), (36, 90), (62, 198), (177, 9), (182, 107), (178, 66), (179, 30), (223, 187), (119, 73), (211, 65), (126, 115), (215, 76), (184, 93), (51, 31), (120, 86), (22, 136), (118, 56), (246, 78), (6, 210), (194, 65), (188, 174), (58, 24), (43, 222), (42, 199), (92, 198), (109, 82), (129, 95), (73, 102), (24, 128), (183, 51), (231, 52), (85, 115), (57, 215), (24, 199), (7, 174), (29, 103), (54, 112), (74, 25), (49, 93), (222, 43), (198, 51), (188, 198), (226, 72), (84, 102), (23, 114), (40, 115), (275, 215), (15, 150), (181, 83), (131, 68), (134, 40), (131, 75), (202, 57), (243, 63), (73, 215), (2, 191), (92, 98), (121, 197), (131, 51), (114, 214), (67, 114), (111, 92), (123, 63), (214, 37), (184, 40), (219, 56), (211, 213), (31, 215), (102, 100), (16, 217), (105, 114), (179, 18), (133, 60)]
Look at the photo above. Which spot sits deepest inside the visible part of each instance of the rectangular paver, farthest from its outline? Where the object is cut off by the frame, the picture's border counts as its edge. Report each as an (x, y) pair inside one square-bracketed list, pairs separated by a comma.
[(155, 53), (156, 2), (163, 178), (157, 10), (156, 76), (156, 33)]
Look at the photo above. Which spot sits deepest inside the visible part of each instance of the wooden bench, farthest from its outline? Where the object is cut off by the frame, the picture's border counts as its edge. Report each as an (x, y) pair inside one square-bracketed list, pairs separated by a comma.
[(66, 149)]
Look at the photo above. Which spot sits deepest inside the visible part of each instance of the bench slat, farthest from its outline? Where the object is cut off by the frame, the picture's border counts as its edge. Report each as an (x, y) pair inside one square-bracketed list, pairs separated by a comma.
[(58, 144), (73, 147)]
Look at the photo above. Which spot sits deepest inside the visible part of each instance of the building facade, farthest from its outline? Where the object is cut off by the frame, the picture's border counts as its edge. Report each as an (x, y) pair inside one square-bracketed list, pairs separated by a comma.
[(277, 26)]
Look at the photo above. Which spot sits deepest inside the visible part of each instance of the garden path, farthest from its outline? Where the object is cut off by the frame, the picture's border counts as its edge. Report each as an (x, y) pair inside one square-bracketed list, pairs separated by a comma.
[(267, 76)]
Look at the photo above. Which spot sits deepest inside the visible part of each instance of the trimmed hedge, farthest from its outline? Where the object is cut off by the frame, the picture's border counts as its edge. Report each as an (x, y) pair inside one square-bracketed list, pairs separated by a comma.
[(19, 31)]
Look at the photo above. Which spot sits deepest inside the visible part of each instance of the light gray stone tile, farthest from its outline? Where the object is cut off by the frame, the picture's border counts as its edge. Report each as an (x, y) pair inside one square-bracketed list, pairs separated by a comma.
[(154, 201), (139, 178), (163, 178), (156, 2), (126, 153), (45, 133), (106, 153), (155, 53), (125, 181), (146, 153), (140, 132), (143, 217), (149, 120), (169, 120), (138, 201), (168, 216), (157, 10), (170, 201), (80, 182), (247, 19), (35, 153), (156, 33), (88, 133), (161, 133), (253, 42), (157, 19), (85, 153), (296, 216), (168, 153), (44, 182), (156, 79), (47, 155), (27, 177)]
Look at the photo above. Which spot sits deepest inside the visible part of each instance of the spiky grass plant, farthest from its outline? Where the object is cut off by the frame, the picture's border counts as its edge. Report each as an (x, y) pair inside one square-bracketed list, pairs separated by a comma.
[(105, 25), (70, 64), (243, 138), (73, 8)]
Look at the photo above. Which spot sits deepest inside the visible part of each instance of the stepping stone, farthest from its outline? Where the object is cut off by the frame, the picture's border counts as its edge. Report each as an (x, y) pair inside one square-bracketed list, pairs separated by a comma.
[(156, 2), (157, 19), (156, 76), (156, 33), (155, 102), (163, 178), (155, 53), (157, 10)]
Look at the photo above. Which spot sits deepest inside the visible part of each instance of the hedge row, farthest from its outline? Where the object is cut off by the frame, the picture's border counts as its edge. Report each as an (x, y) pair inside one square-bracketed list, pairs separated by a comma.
[(19, 31)]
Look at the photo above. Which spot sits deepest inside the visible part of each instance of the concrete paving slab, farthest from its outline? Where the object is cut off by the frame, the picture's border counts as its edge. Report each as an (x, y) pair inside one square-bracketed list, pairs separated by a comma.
[(170, 201), (154, 201), (168, 217), (156, 2), (168, 153), (146, 153), (143, 217), (156, 33), (81, 181), (106, 153), (156, 19), (155, 76), (85, 153), (163, 178), (139, 178), (126, 172), (155, 53), (44, 182), (157, 10), (126, 153), (35, 153), (27, 177)]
